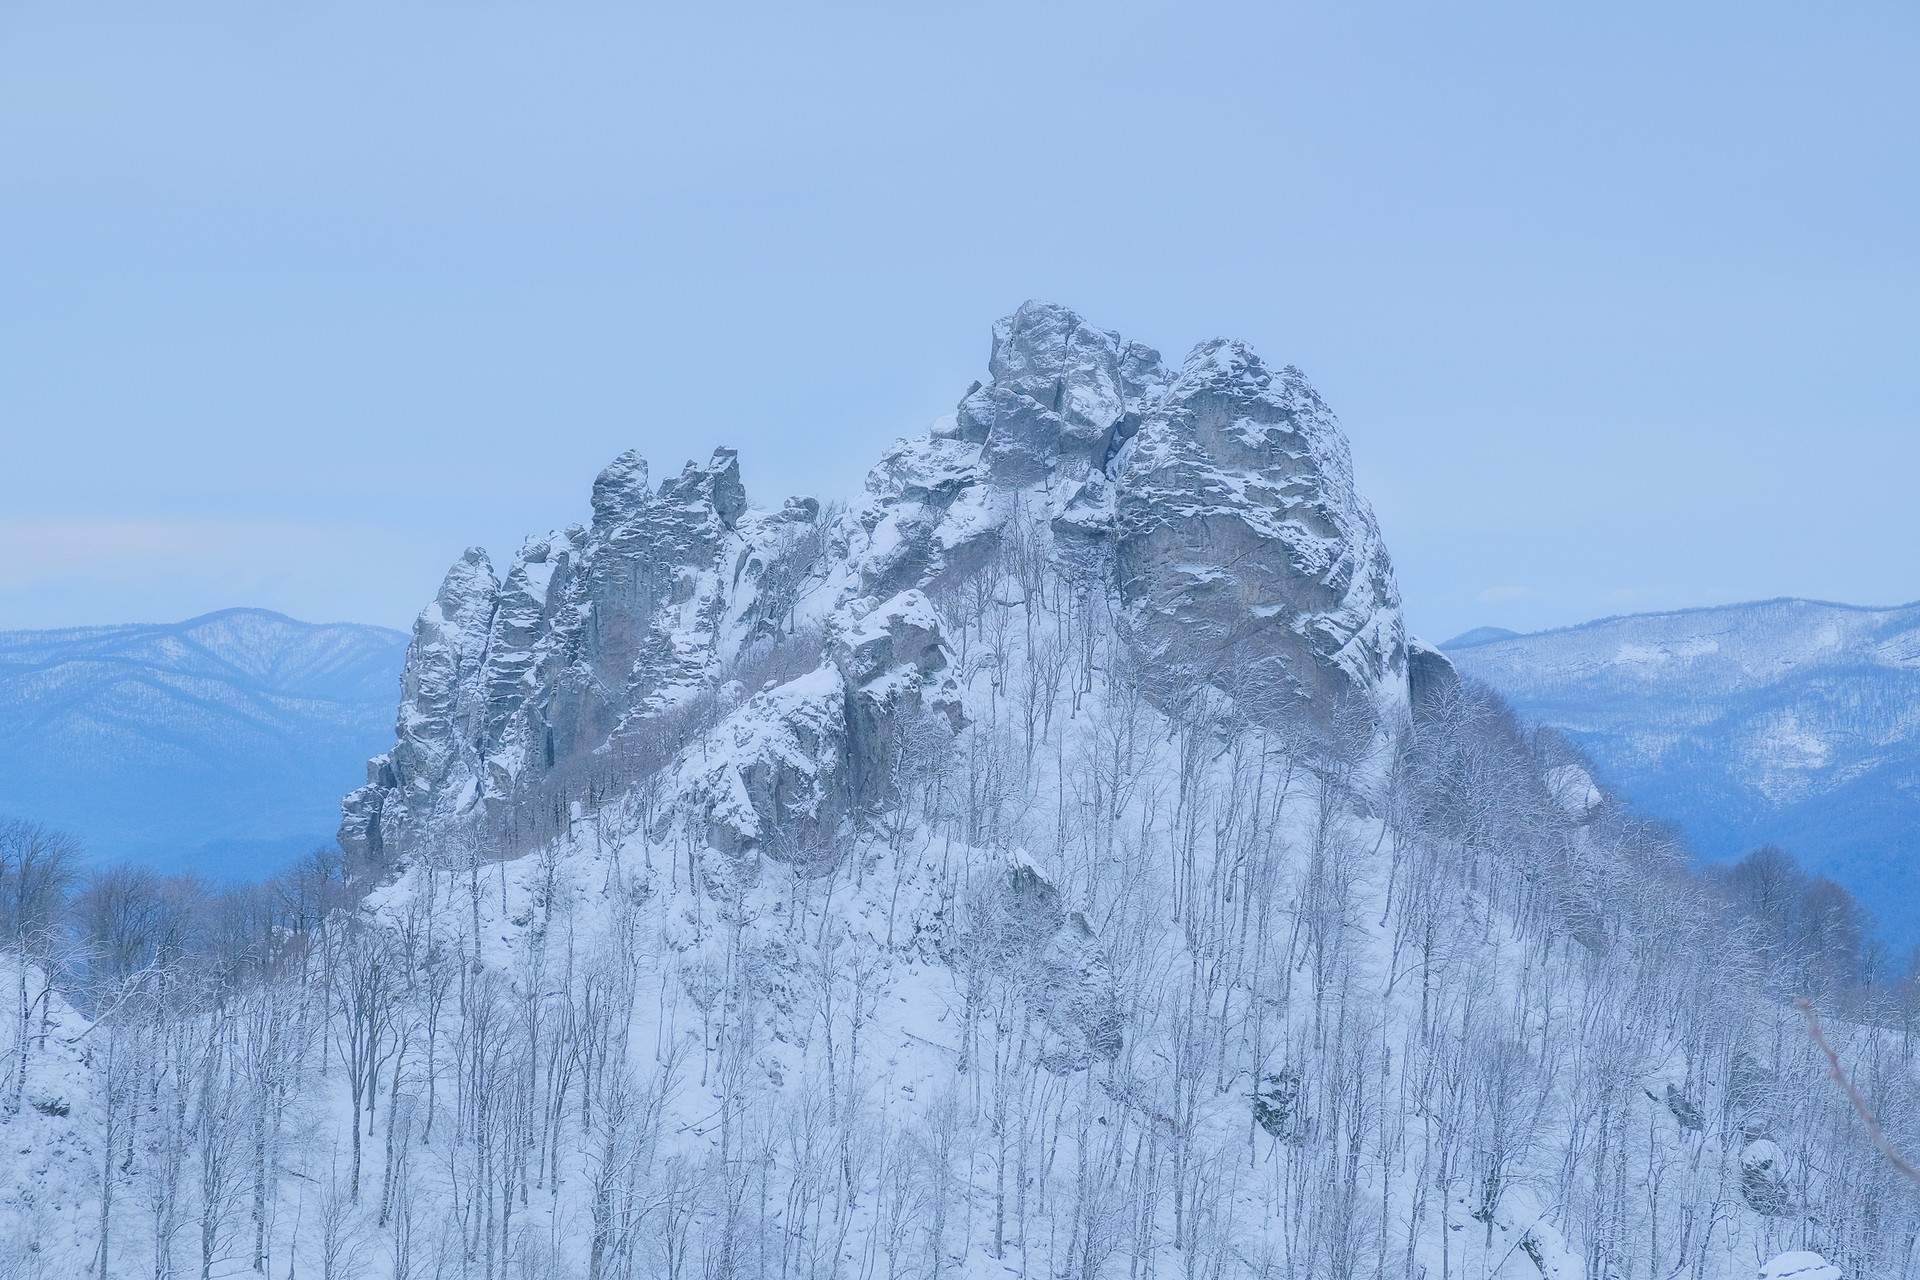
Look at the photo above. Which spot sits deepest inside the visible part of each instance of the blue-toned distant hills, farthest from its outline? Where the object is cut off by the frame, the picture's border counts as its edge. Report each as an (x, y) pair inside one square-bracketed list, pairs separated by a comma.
[(1790, 721), (220, 745)]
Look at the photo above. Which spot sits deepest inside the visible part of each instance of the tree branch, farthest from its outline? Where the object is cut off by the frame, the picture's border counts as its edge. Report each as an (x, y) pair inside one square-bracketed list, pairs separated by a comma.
[(1839, 1075)]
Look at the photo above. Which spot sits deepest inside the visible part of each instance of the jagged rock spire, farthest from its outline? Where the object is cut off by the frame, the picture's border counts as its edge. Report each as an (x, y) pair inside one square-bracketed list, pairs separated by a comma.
[(620, 491), (1060, 392), (1217, 499)]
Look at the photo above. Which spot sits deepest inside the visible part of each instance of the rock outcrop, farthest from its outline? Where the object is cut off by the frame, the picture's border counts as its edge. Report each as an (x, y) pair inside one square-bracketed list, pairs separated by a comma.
[(1242, 551), (1211, 507), (1218, 500), (563, 674)]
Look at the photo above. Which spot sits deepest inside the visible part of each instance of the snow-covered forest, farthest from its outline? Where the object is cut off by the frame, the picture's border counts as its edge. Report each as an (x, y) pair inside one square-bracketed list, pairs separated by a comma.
[(1056, 863)]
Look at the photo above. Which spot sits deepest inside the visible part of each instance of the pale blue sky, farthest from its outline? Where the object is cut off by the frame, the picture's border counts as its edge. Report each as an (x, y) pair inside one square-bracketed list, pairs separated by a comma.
[(1617, 301)]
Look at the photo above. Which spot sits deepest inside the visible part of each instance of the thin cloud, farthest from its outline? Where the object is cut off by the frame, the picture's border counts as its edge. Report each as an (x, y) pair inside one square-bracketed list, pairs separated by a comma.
[(32, 550)]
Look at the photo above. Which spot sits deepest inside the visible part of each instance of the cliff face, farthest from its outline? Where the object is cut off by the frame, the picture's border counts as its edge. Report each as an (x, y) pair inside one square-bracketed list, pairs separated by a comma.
[(1210, 507), (1241, 545), (594, 632)]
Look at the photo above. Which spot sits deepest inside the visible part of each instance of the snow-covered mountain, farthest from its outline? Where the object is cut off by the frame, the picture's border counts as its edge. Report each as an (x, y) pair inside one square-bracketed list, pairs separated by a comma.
[(1056, 862), (1787, 721), (219, 744)]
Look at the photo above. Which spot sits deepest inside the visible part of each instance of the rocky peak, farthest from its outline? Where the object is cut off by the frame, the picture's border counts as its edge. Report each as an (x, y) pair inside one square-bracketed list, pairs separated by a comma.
[(466, 593), (1243, 549), (1223, 491), (1245, 411), (448, 646), (520, 685), (620, 492), (1213, 505), (1061, 393), (715, 487)]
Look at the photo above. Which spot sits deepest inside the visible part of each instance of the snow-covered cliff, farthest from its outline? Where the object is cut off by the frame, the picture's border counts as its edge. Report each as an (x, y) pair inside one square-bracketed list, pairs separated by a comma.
[(1210, 508)]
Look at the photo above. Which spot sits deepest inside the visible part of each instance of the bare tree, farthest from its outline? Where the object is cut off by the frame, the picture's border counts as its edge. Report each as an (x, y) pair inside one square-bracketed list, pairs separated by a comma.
[(37, 866), (362, 998)]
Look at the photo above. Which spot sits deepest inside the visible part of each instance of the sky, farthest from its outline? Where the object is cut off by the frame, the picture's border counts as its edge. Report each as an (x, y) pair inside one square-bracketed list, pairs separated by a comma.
[(1617, 302)]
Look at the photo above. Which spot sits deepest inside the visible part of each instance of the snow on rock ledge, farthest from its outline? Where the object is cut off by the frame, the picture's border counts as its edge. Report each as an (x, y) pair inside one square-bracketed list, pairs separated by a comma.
[(770, 776), (782, 773), (1800, 1265)]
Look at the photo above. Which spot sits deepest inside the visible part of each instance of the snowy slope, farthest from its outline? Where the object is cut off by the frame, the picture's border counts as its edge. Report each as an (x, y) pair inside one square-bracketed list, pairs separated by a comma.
[(219, 744), (1791, 721)]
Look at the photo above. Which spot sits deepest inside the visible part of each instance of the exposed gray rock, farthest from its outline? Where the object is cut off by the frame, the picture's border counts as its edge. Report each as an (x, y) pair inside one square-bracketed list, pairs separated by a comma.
[(773, 776), (1214, 506), (1221, 497), (902, 633), (784, 772), (1061, 395), (1764, 1182), (442, 709), (553, 683), (1243, 551), (890, 661), (1431, 677)]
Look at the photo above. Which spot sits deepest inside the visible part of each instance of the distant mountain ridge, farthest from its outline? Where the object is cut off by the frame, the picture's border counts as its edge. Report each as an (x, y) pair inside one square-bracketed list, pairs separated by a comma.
[(220, 744), (1479, 635), (1791, 721)]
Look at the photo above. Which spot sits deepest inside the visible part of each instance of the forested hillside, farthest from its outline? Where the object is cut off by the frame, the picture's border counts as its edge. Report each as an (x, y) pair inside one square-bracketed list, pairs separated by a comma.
[(217, 744), (1786, 722)]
